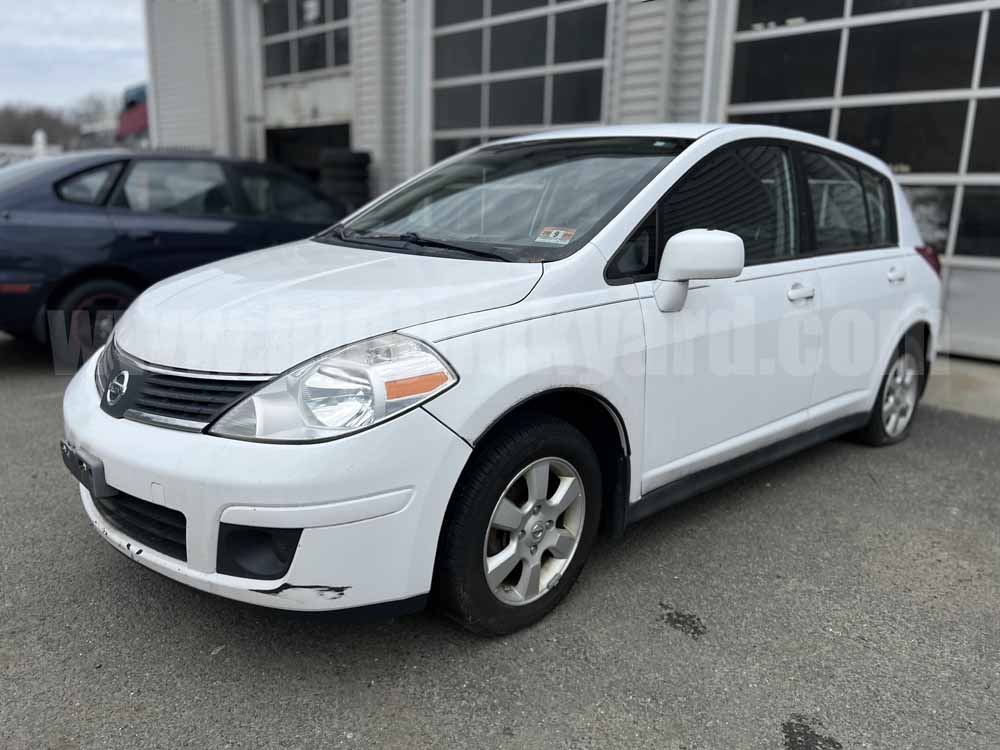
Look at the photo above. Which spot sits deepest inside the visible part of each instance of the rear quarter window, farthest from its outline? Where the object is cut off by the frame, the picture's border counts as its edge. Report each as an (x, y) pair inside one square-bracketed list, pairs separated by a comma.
[(881, 213), (88, 187)]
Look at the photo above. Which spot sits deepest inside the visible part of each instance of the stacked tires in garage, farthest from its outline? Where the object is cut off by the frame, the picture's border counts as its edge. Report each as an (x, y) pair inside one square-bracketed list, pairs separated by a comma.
[(344, 174)]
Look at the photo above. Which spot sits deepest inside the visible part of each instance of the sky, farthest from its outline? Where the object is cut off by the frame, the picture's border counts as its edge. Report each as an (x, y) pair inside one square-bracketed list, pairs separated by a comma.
[(53, 52)]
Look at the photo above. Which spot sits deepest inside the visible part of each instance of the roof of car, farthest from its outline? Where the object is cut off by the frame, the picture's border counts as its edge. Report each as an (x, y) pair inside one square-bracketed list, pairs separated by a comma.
[(118, 153), (687, 130), (693, 131)]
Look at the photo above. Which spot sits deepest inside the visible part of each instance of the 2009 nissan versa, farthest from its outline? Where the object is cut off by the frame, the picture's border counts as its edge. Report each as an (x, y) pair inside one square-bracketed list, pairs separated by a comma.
[(456, 388)]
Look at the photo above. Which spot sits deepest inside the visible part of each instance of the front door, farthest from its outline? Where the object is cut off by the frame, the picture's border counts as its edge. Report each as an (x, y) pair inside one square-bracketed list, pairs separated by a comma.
[(734, 369)]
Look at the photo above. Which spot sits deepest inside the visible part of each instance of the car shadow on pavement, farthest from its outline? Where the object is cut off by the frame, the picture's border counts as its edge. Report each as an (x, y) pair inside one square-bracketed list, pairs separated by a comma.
[(290, 632), (24, 357)]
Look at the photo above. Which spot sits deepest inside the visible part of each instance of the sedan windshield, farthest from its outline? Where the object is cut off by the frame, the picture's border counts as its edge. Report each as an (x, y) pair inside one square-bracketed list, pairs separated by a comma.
[(525, 201)]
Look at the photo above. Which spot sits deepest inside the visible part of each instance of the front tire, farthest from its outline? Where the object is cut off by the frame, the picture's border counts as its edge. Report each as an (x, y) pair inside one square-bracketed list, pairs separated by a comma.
[(521, 524), (898, 396)]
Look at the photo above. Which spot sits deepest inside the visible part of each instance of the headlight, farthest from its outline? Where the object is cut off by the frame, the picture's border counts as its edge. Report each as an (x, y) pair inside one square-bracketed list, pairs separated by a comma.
[(105, 368), (340, 392)]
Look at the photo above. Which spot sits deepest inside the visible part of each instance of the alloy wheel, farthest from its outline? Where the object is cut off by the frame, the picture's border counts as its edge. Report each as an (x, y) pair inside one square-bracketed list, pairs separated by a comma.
[(534, 531), (899, 399)]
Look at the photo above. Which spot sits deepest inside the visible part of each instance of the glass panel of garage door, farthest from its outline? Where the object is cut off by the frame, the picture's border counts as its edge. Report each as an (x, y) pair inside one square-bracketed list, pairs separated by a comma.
[(979, 228), (800, 66), (744, 337)]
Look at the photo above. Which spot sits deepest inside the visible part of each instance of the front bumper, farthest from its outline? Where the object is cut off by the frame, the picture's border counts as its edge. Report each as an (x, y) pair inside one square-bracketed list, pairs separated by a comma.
[(370, 505)]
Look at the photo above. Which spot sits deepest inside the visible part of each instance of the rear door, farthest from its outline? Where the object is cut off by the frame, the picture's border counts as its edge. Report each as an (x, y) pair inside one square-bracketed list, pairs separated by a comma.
[(174, 214), (283, 206), (862, 274)]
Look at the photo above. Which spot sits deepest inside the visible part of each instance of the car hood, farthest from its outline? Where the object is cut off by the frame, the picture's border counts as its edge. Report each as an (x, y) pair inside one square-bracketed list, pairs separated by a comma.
[(267, 311)]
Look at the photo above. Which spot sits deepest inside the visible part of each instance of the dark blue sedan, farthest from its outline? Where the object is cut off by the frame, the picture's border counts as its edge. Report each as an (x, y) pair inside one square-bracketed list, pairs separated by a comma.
[(82, 234)]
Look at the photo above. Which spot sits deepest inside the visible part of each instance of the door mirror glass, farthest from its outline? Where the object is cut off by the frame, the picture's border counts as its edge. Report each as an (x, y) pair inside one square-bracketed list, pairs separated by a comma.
[(696, 254)]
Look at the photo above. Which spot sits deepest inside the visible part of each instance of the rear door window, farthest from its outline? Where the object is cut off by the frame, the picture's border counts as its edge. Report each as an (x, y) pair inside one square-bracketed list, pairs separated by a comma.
[(185, 188), (837, 198), (88, 187)]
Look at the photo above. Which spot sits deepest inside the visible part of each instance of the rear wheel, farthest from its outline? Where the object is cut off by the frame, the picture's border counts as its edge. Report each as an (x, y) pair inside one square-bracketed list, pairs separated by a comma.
[(898, 397), (521, 525)]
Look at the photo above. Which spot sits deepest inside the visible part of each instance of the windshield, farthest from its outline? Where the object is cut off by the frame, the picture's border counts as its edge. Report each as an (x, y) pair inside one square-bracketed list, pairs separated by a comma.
[(528, 202)]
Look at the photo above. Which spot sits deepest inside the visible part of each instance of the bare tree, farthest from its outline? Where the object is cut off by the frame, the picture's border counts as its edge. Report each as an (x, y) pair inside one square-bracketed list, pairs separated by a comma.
[(19, 121), (95, 107)]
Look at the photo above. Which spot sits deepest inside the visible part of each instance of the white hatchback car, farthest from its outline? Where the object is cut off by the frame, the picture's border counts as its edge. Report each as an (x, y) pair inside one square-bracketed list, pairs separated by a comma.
[(454, 389)]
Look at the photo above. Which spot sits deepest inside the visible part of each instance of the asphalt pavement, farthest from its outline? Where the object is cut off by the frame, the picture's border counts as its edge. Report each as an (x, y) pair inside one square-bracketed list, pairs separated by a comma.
[(847, 597)]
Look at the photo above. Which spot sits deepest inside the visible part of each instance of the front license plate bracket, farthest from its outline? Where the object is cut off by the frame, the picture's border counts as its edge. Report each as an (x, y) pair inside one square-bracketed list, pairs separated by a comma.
[(88, 470)]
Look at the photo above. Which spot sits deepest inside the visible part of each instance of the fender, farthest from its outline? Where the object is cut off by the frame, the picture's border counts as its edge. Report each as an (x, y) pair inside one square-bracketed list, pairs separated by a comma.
[(914, 315), (598, 350)]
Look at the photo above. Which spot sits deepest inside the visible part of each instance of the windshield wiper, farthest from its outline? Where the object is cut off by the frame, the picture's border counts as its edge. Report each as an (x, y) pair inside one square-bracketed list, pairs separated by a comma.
[(342, 233), (337, 231), (413, 238)]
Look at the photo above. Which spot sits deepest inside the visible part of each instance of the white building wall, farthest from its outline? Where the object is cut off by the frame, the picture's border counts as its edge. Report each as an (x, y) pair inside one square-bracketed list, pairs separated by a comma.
[(188, 75), (322, 101), (688, 60), (394, 166), (383, 80), (247, 80), (660, 52), (368, 83), (640, 77)]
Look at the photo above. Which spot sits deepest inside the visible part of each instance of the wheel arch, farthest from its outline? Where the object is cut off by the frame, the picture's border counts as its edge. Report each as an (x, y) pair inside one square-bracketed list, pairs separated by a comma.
[(64, 285), (917, 327), (601, 423), (921, 330)]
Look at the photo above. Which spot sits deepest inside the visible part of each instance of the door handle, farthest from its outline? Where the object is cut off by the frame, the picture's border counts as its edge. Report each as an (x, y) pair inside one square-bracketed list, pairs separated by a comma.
[(142, 236), (896, 275), (799, 292)]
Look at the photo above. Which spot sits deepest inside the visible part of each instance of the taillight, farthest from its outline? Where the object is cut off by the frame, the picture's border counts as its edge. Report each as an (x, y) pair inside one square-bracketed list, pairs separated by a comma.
[(928, 254)]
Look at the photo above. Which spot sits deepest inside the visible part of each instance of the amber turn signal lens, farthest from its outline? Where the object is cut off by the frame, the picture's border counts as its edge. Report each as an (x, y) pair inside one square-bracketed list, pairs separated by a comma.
[(416, 386)]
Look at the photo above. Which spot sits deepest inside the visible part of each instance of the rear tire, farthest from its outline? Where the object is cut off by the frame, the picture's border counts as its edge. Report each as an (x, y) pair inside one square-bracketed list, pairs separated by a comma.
[(521, 524), (898, 395)]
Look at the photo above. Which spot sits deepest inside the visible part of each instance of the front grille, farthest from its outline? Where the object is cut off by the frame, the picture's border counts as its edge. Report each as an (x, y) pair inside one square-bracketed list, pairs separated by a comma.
[(192, 399), (154, 526), (178, 399)]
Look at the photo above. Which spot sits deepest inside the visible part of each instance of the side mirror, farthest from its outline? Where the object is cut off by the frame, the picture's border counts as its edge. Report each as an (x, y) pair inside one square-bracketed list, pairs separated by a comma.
[(695, 254)]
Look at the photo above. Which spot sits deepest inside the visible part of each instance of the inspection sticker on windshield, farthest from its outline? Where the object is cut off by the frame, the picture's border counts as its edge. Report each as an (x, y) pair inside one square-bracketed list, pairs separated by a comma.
[(555, 235)]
